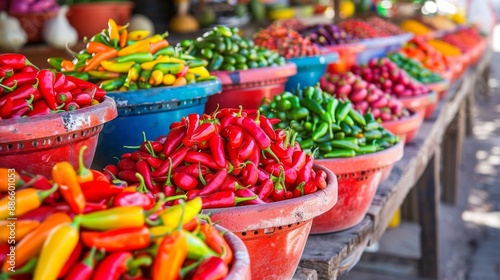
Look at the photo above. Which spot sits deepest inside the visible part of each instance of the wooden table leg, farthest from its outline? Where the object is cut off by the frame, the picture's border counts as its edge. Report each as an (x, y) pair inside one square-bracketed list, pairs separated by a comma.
[(452, 149), (428, 203)]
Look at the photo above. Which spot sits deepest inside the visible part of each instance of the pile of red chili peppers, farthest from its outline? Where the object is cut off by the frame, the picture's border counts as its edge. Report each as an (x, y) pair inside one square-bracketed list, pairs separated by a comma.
[(228, 158), (27, 91), (80, 225)]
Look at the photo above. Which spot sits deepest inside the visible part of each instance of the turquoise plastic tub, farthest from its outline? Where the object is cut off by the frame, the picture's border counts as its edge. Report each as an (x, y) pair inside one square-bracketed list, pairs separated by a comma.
[(379, 47), (309, 70), (151, 111)]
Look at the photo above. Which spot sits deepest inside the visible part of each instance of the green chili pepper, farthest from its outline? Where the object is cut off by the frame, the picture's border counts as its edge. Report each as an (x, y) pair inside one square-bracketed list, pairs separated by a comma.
[(339, 135), (101, 38), (318, 95), (295, 101), (144, 79), (342, 111), (306, 143), (137, 57), (308, 126), (367, 149), (356, 116), (345, 128), (356, 130), (340, 154), (325, 147), (296, 126), (344, 144), (205, 79), (320, 131), (216, 62), (193, 63), (308, 93), (331, 107), (197, 248), (313, 106), (369, 117), (169, 67), (79, 75), (113, 84), (371, 126), (186, 43), (324, 138), (168, 51), (372, 134), (284, 105), (299, 113), (348, 120), (207, 53), (103, 75), (353, 140), (55, 62)]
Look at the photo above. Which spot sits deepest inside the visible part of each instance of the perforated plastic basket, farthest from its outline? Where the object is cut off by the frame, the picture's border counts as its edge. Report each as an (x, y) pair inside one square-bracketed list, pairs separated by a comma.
[(358, 178), (379, 47), (275, 234), (151, 111), (35, 144)]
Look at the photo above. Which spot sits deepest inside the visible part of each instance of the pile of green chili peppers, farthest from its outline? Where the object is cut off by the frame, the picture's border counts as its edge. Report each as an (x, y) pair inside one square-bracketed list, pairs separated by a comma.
[(326, 124)]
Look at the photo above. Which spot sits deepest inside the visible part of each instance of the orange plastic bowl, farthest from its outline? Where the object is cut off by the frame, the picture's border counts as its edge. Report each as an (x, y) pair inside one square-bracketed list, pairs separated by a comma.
[(275, 234), (358, 178), (35, 144)]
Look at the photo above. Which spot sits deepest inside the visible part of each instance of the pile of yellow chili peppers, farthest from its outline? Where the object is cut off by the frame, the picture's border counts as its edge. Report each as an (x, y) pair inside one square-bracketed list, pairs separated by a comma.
[(81, 225), (119, 60)]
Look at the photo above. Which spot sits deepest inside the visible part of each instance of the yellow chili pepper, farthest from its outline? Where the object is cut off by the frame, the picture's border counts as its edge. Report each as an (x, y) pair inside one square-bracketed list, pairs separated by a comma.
[(56, 250), (94, 102), (201, 71), (114, 218), (32, 243), (156, 78), (23, 201), (150, 64), (137, 35), (168, 79), (22, 228), (171, 216), (114, 34), (190, 77), (140, 46), (119, 67)]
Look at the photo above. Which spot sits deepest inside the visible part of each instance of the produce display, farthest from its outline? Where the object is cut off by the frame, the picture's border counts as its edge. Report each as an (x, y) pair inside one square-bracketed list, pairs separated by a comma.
[(414, 68), (79, 225), (225, 50), (365, 96), (427, 55), (291, 23), (445, 48), (388, 77), (439, 22), (119, 60), (328, 35), (286, 42), (415, 27), (371, 28), (27, 91), (329, 124), (229, 158), (465, 39), (32, 6)]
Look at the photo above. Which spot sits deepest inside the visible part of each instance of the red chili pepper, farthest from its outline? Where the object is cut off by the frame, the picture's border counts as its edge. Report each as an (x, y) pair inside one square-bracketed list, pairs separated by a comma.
[(96, 191), (143, 168), (192, 123), (133, 199), (231, 184), (279, 191), (174, 139), (211, 268), (304, 174), (192, 169), (68, 85), (84, 269), (20, 79), (265, 189), (19, 113), (82, 99), (29, 69), (15, 60), (126, 164), (234, 135), (203, 133), (216, 144), (148, 145), (59, 81), (267, 126), (192, 194), (183, 72), (94, 207), (6, 108), (249, 174), (203, 158), (128, 176), (223, 199), (290, 173), (249, 193), (22, 92), (299, 160), (71, 106), (113, 266), (72, 260), (99, 176), (299, 190), (64, 97), (4, 250), (22, 103), (177, 157), (41, 108), (246, 147), (319, 180), (46, 79), (6, 71), (184, 181), (154, 162), (124, 239), (310, 187), (215, 183), (41, 213), (111, 169)]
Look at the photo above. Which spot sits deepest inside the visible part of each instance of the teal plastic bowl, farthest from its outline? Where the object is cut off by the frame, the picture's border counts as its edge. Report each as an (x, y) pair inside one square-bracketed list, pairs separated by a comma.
[(149, 110), (309, 70)]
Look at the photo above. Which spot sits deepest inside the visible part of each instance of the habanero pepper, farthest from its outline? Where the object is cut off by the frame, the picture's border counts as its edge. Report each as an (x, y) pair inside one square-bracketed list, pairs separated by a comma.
[(124, 239), (113, 266), (223, 199), (65, 176), (57, 248), (26, 200)]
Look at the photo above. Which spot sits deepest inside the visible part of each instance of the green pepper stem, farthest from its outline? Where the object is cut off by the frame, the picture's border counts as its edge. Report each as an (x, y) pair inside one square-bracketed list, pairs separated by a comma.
[(142, 185), (268, 149), (82, 170), (202, 180), (186, 270), (9, 89), (134, 265), (242, 199), (89, 260), (172, 198), (42, 195)]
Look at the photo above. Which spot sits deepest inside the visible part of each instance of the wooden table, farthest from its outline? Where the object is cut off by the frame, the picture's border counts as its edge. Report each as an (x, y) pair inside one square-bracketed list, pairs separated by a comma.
[(416, 176)]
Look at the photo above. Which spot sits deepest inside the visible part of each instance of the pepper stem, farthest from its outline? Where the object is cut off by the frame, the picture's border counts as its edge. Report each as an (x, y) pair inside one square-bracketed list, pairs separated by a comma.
[(242, 199), (205, 217), (172, 198), (135, 264), (292, 141), (27, 268), (42, 195), (89, 260), (186, 270), (268, 149), (28, 63), (9, 89), (142, 185), (202, 180), (82, 170)]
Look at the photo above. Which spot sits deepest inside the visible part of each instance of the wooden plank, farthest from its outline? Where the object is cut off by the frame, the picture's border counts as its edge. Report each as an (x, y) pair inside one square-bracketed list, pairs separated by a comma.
[(305, 274), (325, 252)]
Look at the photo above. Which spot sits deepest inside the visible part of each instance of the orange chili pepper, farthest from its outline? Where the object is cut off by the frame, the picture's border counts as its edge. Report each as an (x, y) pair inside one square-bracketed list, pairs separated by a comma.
[(96, 60), (216, 242), (25, 201), (65, 176), (123, 38), (171, 254), (22, 228), (95, 47), (158, 45), (67, 65), (181, 81), (32, 243), (9, 177)]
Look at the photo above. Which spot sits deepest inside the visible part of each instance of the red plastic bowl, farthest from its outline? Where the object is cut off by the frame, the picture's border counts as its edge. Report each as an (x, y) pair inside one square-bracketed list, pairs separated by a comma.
[(240, 267), (248, 87), (358, 179), (275, 234), (421, 103), (36, 144), (348, 55), (405, 128)]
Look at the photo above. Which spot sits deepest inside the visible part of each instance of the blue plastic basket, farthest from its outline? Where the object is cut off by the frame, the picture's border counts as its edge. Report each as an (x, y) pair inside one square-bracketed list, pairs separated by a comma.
[(379, 47), (151, 111), (309, 70)]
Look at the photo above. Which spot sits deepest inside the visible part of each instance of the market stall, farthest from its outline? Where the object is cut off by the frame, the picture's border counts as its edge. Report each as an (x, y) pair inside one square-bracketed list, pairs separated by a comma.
[(304, 137)]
